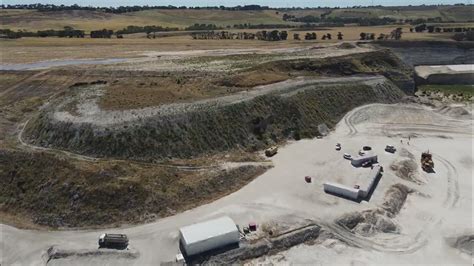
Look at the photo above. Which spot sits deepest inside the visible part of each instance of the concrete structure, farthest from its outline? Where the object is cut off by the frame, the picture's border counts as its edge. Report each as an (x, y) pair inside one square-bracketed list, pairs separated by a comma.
[(209, 235), (355, 193), (359, 160)]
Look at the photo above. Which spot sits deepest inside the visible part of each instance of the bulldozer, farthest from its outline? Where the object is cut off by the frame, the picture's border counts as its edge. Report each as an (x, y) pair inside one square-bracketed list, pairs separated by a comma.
[(427, 163)]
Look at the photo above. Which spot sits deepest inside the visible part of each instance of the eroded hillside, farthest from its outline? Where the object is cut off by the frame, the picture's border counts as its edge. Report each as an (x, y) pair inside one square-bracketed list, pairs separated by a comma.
[(249, 118)]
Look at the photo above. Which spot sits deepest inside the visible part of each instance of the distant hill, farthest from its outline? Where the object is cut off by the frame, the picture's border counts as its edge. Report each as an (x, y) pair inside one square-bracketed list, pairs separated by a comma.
[(31, 19)]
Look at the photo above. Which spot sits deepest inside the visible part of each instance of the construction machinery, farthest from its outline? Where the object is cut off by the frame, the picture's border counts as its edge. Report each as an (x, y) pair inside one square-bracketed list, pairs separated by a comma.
[(271, 151), (118, 241), (427, 163)]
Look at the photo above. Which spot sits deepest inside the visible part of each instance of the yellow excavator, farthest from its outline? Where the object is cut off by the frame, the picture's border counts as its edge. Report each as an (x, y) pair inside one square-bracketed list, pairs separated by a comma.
[(427, 163)]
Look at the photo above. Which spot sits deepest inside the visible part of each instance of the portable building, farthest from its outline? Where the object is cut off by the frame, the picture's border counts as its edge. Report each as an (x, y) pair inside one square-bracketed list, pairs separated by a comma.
[(209, 235), (338, 189), (359, 160), (374, 173)]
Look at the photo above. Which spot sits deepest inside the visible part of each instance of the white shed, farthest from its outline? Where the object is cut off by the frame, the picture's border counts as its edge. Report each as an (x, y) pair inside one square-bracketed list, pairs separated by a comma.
[(209, 235)]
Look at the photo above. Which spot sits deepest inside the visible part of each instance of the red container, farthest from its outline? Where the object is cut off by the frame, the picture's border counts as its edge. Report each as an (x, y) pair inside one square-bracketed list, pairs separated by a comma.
[(252, 226)]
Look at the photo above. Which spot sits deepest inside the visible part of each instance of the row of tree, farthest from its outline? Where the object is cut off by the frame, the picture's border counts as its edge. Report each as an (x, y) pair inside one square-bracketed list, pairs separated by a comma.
[(264, 35), (146, 29), (67, 32), (395, 34), (362, 21), (464, 36), (437, 29), (125, 9)]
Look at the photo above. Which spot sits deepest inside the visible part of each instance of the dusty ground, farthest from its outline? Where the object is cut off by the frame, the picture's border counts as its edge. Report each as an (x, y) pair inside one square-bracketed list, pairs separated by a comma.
[(441, 208)]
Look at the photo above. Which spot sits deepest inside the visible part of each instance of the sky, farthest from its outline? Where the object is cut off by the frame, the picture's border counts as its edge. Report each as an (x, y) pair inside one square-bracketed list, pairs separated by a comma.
[(272, 3)]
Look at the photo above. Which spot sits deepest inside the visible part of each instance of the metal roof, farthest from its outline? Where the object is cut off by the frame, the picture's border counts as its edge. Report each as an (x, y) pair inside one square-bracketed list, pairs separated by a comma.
[(208, 229)]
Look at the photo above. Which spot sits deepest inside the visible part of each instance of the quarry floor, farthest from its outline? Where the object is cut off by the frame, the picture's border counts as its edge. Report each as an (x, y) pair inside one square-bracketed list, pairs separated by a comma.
[(441, 209)]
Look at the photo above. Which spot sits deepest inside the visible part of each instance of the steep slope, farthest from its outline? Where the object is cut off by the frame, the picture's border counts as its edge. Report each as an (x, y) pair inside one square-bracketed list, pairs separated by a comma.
[(250, 120)]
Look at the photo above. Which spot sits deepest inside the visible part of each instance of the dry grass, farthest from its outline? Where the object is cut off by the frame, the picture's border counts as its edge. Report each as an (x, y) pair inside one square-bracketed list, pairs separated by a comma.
[(27, 50), (87, 20)]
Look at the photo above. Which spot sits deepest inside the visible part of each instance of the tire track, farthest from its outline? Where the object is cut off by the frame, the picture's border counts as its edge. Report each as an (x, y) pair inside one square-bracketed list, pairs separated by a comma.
[(452, 193)]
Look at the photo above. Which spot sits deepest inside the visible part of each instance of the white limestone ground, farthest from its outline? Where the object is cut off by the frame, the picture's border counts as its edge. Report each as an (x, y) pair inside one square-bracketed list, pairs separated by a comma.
[(441, 209)]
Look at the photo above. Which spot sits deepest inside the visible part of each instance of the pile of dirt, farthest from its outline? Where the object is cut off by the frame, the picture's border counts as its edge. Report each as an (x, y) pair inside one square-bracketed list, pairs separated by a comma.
[(54, 192), (454, 111), (346, 45), (395, 197), (405, 153), (373, 221), (464, 243), (407, 169), (263, 247)]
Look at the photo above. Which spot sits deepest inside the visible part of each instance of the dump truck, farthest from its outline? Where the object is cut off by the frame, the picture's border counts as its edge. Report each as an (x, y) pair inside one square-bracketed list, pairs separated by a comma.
[(119, 241), (427, 163), (271, 151)]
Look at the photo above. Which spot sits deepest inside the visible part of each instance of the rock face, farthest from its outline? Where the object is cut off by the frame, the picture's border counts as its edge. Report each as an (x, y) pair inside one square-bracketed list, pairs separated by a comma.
[(219, 125)]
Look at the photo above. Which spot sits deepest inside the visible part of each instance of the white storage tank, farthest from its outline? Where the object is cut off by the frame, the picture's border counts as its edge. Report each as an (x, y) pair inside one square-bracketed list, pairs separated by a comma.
[(209, 235)]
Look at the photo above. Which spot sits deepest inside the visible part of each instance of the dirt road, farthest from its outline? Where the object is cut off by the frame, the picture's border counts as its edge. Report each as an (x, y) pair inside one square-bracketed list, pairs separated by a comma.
[(442, 208)]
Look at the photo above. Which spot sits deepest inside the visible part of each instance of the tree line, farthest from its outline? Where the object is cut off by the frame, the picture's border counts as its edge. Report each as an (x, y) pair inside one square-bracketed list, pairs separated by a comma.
[(362, 21), (263, 35), (436, 29), (127, 9), (67, 32), (144, 29)]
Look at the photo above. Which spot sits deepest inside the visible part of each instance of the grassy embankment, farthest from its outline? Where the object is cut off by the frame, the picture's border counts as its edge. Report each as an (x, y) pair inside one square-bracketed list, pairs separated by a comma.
[(465, 90), (250, 125)]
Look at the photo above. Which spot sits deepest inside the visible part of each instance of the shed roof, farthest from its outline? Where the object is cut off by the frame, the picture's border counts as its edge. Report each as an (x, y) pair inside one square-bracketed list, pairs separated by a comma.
[(208, 229)]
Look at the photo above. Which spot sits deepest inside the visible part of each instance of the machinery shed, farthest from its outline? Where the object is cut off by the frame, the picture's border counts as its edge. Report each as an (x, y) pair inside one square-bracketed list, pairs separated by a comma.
[(209, 235)]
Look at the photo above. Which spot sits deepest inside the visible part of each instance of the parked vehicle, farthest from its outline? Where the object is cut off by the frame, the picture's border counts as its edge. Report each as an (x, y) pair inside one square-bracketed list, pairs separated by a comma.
[(367, 148), (338, 146), (347, 156), (307, 179), (271, 151), (390, 148), (119, 241)]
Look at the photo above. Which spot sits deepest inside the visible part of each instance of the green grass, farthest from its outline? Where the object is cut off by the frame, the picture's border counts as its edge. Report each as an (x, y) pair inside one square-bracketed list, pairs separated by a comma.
[(465, 90)]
